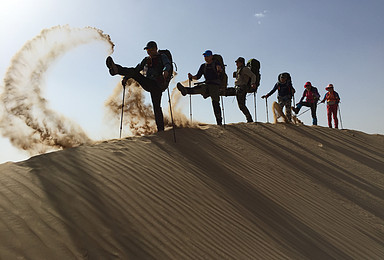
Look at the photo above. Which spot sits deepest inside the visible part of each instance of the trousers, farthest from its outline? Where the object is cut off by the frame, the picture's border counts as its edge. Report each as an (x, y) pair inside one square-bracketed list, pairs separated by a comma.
[(332, 111), (211, 90), (241, 95), (149, 85)]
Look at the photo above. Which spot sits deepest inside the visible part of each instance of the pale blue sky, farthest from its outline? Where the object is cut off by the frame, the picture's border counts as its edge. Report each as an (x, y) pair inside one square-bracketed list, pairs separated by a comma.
[(329, 41)]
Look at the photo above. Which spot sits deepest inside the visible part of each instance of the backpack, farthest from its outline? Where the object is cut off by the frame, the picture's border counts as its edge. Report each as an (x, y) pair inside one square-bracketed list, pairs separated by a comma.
[(223, 76), (254, 65), (315, 92), (167, 53), (288, 84)]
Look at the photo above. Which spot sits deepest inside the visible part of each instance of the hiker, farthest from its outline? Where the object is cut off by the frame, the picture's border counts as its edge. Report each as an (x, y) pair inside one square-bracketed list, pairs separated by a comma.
[(333, 99), (212, 71), (243, 76), (157, 68), (311, 94), (284, 94)]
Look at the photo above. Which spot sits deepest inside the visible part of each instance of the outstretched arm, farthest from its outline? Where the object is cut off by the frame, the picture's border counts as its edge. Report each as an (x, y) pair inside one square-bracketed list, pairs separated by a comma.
[(198, 75), (322, 101), (271, 92)]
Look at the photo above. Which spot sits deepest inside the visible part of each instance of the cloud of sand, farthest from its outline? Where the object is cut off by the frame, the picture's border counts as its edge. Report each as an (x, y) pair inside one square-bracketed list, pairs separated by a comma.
[(178, 103), (31, 125), (138, 115), (26, 118)]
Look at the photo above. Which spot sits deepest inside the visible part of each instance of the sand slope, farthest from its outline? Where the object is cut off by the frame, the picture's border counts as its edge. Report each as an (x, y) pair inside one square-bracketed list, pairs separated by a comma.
[(246, 191)]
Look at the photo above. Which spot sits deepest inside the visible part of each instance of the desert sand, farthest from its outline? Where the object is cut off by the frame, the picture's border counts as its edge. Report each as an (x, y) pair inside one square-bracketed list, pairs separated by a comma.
[(246, 191)]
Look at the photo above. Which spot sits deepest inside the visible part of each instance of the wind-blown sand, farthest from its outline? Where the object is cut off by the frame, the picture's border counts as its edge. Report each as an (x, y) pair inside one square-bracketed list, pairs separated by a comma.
[(246, 191)]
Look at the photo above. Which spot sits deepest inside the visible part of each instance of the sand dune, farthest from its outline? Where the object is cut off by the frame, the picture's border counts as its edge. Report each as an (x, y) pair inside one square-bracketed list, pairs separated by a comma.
[(246, 191)]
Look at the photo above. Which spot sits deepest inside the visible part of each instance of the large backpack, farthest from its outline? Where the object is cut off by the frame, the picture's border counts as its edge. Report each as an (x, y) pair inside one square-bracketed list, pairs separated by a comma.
[(254, 65), (291, 89), (223, 76), (167, 53)]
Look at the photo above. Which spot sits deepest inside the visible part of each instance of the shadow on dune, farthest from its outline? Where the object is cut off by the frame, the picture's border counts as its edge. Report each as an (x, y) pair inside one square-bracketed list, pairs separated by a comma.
[(291, 234), (98, 227)]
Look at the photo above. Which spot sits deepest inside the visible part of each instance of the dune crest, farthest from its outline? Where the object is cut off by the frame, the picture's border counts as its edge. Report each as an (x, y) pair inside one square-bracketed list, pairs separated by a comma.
[(246, 191)]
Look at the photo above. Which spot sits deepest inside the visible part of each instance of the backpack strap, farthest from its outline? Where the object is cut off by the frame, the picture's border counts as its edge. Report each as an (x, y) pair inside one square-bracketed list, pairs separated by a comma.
[(214, 66), (241, 70)]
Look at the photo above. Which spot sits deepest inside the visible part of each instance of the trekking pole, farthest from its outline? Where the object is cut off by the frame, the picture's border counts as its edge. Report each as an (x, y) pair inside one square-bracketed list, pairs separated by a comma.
[(266, 108), (341, 121), (222, 104), (170, 108), (303, 112), (122, 112), (307, 110), (190, 102), (254, 101)]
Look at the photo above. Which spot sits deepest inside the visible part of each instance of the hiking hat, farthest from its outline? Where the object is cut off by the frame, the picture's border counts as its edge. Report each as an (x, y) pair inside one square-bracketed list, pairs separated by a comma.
[(329, 86), (241, 59), (308, 84), (151, 45), (207, 53)]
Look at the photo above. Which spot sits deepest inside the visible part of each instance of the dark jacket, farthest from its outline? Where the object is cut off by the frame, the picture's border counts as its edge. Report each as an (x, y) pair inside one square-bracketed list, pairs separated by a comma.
[(153, 67), (284, 91), (210, 73)]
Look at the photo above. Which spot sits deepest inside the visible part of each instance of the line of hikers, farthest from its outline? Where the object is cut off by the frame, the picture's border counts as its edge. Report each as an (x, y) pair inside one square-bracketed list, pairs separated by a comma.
[(155, 71)]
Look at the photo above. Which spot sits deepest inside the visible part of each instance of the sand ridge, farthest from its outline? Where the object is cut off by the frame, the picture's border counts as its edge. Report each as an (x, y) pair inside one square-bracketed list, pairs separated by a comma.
[(246, 191)]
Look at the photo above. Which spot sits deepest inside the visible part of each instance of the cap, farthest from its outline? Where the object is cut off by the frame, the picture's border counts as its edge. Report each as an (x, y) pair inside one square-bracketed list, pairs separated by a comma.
[(241, 59), (207, 53), (151, 45), (329, 86), (284, 75), (307, 84)]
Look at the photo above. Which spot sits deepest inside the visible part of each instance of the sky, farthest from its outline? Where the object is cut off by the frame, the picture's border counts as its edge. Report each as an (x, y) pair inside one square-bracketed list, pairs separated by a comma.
[(329, 41)]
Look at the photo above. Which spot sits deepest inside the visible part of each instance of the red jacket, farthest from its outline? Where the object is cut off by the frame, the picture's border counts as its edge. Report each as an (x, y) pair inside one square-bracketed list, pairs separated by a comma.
[(312, 96)]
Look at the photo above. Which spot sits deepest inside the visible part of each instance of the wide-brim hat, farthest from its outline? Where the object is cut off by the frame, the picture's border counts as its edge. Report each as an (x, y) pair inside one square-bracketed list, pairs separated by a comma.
[(330, 86)]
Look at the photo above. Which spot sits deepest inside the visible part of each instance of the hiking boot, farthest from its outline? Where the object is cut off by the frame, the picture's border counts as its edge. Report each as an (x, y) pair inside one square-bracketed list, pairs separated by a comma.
[(113, 70), (294, 109), (205, 95), (181, 88)]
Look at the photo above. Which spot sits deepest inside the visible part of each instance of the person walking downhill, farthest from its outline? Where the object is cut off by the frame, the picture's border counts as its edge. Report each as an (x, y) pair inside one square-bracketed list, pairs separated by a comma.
[(243, 76), (311, 94), (155, 80), (333, 99), (285, 93), (212, 72)]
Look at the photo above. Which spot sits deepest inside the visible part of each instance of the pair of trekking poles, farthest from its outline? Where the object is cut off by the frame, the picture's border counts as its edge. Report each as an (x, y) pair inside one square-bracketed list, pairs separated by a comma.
[(222, 105), (170, 108), (190, 103), (266, 107), (338, 107)]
